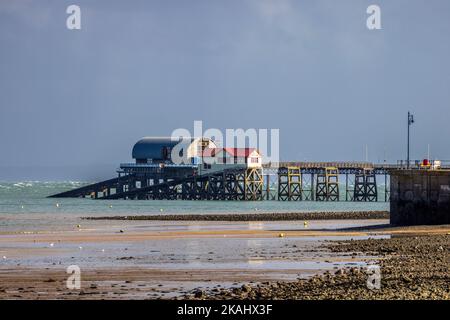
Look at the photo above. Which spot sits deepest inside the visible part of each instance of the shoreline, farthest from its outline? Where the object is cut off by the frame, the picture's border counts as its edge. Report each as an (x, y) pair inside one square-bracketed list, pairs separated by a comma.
[(411, 268), (283, 216), (209, 260)]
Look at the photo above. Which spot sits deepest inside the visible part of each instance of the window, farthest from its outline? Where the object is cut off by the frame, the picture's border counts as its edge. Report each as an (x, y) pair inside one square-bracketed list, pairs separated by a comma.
[(206, 166), (254, 160)]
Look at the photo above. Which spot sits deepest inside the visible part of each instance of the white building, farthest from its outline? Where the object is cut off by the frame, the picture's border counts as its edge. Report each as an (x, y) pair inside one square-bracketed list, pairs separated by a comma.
[(217, 159)]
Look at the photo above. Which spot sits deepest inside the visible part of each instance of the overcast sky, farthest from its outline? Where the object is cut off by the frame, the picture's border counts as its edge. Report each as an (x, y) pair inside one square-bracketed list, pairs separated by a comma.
[(81, 98)]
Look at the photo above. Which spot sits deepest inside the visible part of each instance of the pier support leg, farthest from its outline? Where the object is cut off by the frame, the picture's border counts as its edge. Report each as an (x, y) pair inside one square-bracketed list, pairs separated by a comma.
[(253, 184), (289, 184), (365, 186), (327, 186), (346, 187), (267, 187), (386, 188)]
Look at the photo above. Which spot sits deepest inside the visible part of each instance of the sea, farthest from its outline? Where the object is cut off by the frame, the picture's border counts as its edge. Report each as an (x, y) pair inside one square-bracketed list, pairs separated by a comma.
[(25, 205)]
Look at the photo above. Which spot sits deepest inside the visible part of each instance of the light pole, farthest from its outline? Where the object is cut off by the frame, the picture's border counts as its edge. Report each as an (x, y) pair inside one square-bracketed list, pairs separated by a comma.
[(410, 122)]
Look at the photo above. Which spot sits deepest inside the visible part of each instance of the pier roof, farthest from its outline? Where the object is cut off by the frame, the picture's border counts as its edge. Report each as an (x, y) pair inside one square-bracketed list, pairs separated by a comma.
[(151, 147)]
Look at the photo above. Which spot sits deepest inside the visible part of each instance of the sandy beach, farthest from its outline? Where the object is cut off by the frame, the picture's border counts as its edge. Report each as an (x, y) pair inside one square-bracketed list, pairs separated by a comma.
[(152, 259)]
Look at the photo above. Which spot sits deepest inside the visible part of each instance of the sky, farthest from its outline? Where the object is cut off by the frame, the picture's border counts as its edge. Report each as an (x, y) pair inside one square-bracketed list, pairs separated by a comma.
[(73, 102)]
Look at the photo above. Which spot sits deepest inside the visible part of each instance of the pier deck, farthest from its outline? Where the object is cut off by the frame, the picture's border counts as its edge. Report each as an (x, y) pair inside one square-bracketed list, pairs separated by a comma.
[(291, 180)]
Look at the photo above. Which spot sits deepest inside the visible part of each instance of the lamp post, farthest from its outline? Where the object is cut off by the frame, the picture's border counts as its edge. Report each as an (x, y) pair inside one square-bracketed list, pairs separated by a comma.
[(410, 122)]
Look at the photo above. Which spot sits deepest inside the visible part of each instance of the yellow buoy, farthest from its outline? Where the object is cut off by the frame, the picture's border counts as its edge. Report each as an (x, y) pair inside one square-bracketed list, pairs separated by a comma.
[(281, 235)]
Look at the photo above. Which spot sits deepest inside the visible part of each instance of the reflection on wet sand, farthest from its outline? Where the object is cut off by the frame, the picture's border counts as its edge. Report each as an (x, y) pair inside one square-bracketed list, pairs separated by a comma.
[(164, 259)]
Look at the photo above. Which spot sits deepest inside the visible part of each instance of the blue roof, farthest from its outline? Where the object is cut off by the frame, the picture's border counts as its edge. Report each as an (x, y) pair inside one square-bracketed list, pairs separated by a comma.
[(152, 147)]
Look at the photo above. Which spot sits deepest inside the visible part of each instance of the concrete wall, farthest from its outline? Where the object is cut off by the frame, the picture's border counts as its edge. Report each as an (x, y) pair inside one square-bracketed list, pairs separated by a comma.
[(420, 197)]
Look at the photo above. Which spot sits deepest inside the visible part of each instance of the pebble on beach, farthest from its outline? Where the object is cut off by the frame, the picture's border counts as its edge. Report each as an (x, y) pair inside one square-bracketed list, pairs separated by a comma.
[(413, 268), (286, 216)]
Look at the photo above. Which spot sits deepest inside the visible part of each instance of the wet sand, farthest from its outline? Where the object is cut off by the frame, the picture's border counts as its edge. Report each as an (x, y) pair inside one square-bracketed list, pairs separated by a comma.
[(163, 259), (412, 267)]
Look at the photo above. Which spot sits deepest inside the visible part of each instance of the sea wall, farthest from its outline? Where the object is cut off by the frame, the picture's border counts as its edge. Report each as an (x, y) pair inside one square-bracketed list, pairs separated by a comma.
[(420, 197)]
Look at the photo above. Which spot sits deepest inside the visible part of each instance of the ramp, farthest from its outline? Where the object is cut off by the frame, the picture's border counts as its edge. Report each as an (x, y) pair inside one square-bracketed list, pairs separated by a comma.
[(88, 190)]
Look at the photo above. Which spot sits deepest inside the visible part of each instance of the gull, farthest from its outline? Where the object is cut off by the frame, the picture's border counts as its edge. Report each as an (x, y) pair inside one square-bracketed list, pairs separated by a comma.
[(52, 244)]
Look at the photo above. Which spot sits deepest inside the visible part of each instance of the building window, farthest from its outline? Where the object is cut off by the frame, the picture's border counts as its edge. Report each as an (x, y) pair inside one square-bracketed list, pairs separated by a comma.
[(206, 166), (254, 160)]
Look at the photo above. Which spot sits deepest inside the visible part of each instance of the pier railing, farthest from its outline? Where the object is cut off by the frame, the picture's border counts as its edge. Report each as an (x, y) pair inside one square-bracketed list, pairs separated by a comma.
[(423, 165), (345, 166)]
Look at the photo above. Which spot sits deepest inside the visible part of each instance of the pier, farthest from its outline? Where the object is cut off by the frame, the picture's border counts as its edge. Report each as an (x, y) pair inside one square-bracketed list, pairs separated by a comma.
[(321, 181), (238, 174), (289, 182)]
